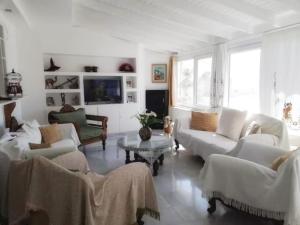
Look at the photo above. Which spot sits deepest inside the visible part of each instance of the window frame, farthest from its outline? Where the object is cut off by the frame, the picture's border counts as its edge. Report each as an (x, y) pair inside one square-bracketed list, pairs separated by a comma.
[(195, 79), (231, 51), (205, 56)]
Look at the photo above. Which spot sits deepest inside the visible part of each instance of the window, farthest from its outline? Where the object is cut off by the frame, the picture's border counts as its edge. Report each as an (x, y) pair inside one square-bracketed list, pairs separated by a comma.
[(185, 82), (243, 88), (2, 63), (203, 81)]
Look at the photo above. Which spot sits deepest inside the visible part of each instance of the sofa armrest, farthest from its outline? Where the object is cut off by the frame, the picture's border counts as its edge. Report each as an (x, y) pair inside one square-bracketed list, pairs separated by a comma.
[(257, 152), (102, 119), (181, 123), (69, 131), (264, 139), (49, 153)]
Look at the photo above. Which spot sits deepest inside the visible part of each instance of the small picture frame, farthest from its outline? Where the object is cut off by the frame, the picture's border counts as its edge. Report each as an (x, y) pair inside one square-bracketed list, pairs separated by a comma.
[(129, 84), (159, 73), (129, 98)]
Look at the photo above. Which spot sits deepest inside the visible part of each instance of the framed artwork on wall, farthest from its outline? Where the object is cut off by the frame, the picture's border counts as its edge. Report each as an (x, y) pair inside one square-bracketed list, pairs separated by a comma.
[(159, 73)]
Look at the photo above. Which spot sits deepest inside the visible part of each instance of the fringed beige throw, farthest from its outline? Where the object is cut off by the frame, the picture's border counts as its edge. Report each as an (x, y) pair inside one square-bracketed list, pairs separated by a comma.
[(79, 198)]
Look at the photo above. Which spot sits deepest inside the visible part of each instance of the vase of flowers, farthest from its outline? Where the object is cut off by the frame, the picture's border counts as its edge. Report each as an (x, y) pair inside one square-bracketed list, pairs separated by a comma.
[(146, 119)]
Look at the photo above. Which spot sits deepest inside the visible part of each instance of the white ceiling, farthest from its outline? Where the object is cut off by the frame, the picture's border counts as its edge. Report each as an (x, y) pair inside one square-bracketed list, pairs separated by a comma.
[(165, 25)]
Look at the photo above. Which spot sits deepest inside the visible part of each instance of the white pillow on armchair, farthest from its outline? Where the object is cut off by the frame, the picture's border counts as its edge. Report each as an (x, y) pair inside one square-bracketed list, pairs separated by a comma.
[(231, 123)]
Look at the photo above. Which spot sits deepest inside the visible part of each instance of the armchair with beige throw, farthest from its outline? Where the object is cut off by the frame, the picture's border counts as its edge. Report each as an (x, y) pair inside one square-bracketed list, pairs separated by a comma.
[(257, 179), (211, 133), (87, 132)]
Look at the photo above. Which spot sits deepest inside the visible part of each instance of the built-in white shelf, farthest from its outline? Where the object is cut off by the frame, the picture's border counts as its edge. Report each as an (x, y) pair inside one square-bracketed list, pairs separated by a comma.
[(64, 73), (62, 90)]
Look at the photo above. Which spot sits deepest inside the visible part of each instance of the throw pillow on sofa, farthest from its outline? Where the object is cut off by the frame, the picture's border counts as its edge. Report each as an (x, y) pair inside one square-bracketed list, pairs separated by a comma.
[(51, 134), (204, 121), (231, 123)]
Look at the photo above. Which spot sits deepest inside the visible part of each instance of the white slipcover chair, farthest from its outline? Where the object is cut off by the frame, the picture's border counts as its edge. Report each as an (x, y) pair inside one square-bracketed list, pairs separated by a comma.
[(244, 180)]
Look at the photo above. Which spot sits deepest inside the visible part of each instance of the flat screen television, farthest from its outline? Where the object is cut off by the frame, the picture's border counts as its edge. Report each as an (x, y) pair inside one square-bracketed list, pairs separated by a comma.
[(103, 90)]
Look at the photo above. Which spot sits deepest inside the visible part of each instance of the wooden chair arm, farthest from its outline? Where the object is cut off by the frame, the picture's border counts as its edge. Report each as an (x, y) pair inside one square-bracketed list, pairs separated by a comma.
[(102, 119)]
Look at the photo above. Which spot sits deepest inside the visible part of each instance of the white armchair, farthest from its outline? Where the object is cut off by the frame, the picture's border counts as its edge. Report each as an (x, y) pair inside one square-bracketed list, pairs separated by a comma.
[(245, 181)]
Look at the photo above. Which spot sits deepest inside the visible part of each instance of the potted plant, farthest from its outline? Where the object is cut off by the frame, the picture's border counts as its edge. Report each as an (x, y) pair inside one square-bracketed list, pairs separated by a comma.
[(146, 119)]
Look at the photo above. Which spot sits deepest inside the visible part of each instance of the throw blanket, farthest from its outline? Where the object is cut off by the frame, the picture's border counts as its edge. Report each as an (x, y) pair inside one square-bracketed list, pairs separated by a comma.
[(80, 198), (254, 188)]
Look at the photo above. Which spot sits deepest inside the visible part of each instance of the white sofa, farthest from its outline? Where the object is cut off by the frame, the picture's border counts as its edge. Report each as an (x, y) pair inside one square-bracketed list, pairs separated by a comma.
[(204, 143), (18, 148)]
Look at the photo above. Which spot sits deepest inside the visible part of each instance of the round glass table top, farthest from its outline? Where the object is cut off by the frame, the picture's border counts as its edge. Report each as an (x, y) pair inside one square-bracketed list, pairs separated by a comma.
[(132, 142)]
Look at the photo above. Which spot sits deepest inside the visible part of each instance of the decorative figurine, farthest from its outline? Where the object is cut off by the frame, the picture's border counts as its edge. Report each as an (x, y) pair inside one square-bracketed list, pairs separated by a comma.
[(168, 125), (126, 67), (63, 98), (50, 82), (287, 109), (14, 88), (50, 101), (52, 67)]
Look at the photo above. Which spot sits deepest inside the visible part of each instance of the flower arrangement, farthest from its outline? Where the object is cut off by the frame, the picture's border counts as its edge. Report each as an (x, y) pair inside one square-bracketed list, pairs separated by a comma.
[(147, 118)]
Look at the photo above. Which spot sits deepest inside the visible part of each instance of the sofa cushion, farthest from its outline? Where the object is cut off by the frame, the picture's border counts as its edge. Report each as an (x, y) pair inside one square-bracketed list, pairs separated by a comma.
[(39, 146), (77, 116), (204, 121), (87, 132), (64, 143), (205, 143), (31, 128), (51, 134), (231, 123)]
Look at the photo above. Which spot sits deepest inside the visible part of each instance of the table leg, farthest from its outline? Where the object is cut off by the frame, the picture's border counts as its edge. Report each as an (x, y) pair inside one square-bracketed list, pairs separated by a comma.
[(161, 159), (136, 157), (155, 168), (127, 157)]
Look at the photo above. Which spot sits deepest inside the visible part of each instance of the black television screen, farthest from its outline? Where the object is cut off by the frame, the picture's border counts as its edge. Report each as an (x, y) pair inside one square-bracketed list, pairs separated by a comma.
[(103, 90)]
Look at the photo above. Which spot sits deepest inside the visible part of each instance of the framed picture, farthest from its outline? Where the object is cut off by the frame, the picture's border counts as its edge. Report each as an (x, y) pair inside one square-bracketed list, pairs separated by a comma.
[(159, 73), (129, 83)]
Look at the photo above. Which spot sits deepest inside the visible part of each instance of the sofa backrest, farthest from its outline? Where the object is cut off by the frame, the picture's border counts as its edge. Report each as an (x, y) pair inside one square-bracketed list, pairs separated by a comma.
[(269, 125)]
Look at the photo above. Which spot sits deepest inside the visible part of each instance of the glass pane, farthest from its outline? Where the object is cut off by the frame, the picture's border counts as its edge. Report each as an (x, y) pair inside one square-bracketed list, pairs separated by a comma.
[(185, 87), (1, 32), (203, 82), (244, 80), (2, 47)]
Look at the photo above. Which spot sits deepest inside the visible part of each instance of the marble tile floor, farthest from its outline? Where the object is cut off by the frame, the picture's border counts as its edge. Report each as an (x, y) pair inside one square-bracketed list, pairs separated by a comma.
[(177, 187)]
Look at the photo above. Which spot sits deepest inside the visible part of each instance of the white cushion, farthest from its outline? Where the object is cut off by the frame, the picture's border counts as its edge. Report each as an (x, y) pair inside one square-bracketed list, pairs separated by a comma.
[(31, 128), (205, 143), (231, 123)]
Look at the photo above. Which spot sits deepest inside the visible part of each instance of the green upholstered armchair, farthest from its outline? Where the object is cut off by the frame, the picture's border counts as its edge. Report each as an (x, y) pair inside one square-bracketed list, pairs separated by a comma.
[(87, 132)]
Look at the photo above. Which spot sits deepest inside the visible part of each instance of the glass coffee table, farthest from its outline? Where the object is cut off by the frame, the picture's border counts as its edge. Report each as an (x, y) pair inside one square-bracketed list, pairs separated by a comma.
[(151, 151)]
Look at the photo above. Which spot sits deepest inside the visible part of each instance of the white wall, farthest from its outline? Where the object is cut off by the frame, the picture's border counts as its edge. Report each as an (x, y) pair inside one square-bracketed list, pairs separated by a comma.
[(11, 58), (152, 57), (28, 46)]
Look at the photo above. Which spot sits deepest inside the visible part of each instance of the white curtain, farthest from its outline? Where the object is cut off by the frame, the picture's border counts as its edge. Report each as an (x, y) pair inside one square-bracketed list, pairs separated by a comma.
[(280, 70), (219, 67)]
